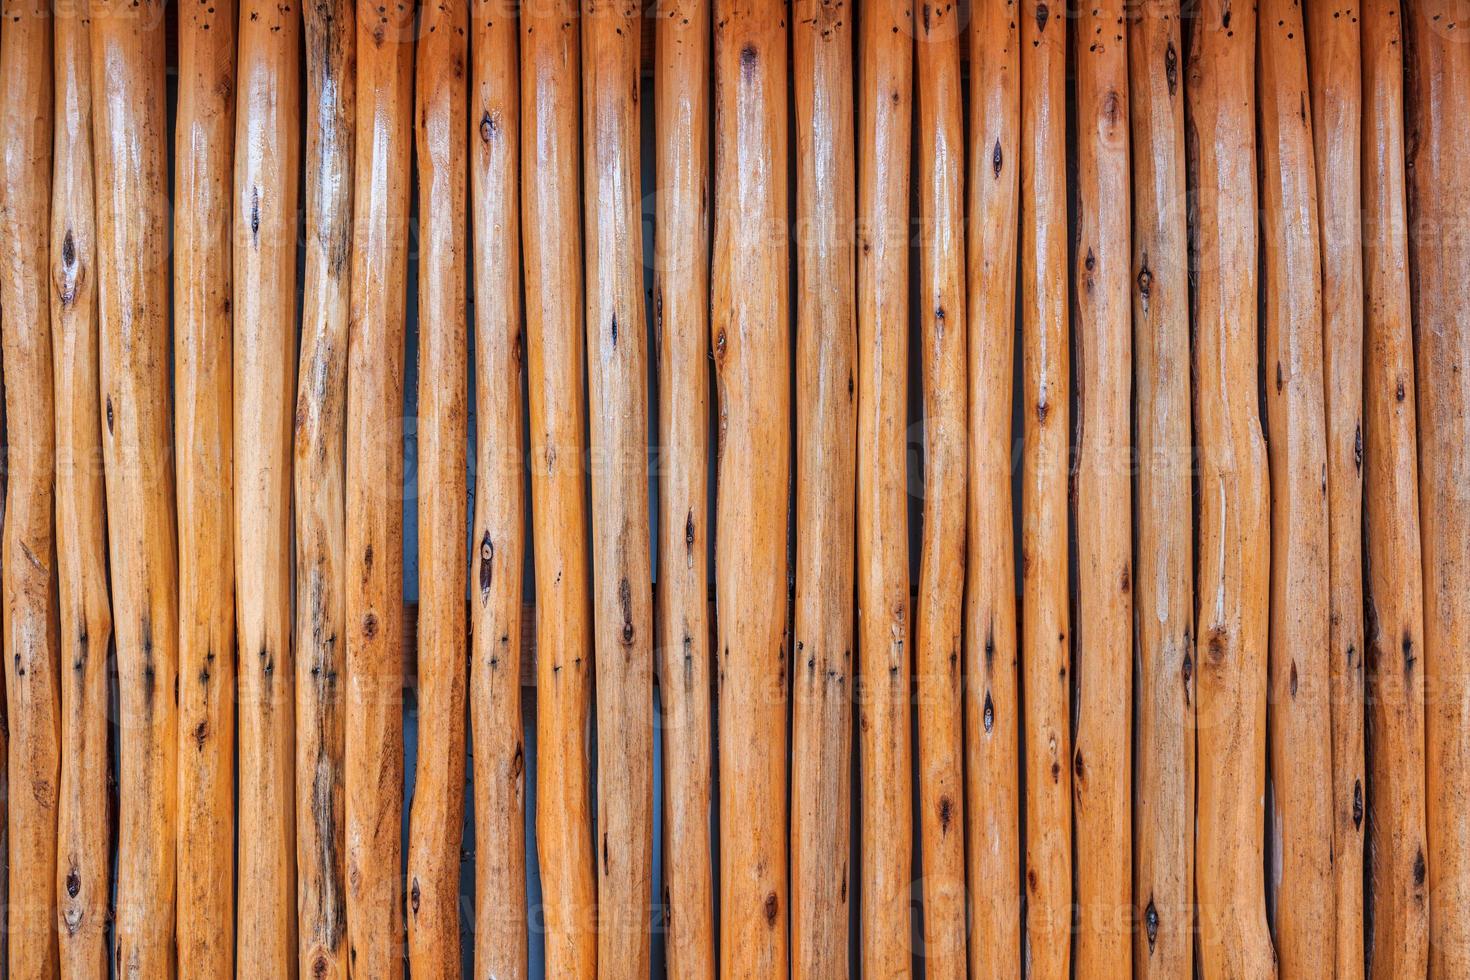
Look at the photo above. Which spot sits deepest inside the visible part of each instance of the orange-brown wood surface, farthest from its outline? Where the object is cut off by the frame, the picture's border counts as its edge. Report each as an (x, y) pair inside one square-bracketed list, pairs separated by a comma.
[(751, 340), (821, 725), (681, 90), (499, 545)]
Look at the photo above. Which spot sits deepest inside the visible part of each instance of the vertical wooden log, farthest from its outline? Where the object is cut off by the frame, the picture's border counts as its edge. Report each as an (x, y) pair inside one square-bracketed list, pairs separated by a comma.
[(617, 368), (436, 827), (1300, 719), (938, 609), (1336, 97), (500, 501), (83, 847), (128, 131), (31, 637), (826, 404), (1437, 132), (884, 111), (1045, 645), (374, 505), (267, 158), (1400, 893), (552, 221), (1101, 761), (1163, 814), (204, 428), (319, 473), (992, 699), (681, 88), (1234, 515), (750, 312)]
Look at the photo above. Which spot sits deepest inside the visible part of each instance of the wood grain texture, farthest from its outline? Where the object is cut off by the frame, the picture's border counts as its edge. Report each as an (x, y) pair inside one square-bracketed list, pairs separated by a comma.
[(498, 653), (681, 90), (374, 496), (551, 210), (436, 826), (1334, 63), (267, 176), (826, 404), (938, 607), (1234, 499), (992, 695), (84, 838), (1163, 594), (204, 433), (1436, 133), (31, 630), (1045, 642), (130, 159), (1396, 832), (751, 338), (1103, 499), (319, 473)]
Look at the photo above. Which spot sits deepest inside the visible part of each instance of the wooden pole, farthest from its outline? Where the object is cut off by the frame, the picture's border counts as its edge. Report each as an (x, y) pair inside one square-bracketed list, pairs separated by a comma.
[(1234, 515), (1336, 98), (1300, 720), (1101, 759), (319, 474), (128, 131), (938, 618), (1437, 131), (267, 160), (1401, 896), (551, 219), (617, 362), (31, 637), (992, 699), (1045, 644), (1163, 813), (681, 89), (498, 558), (826, 405), (750, 313), (204, 426), (83, 867), (436, 827), (374, 505)]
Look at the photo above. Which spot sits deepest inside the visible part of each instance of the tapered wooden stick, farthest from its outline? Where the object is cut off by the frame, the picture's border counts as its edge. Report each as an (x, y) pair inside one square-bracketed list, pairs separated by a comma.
[(1102, 774), (1437, 131), (1301, 725), (1163, 810), (204, 427), (500, 505), (551, 219), (1234, 517), (267, 157), (992, 699), (938, 609), (681, 88), (374, 506), (31, 637), (617, 369), (1333, 63), (1045, 643), (319, 472), (128, 132), (83, 845), (1400, 892), (826, 404), (884, 109), (750, 313), (436, 829)]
